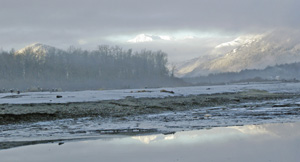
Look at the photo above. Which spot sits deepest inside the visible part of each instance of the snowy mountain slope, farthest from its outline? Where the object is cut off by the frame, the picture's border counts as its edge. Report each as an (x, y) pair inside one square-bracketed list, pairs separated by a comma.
[(256, 52), (189, 66), (242, 40)]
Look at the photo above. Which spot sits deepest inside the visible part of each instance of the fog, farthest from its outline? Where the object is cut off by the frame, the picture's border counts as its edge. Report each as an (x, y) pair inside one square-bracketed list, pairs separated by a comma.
[(107, 67)]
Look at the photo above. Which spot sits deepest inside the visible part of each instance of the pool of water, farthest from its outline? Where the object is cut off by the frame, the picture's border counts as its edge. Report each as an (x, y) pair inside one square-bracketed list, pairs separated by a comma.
[(267, 142)]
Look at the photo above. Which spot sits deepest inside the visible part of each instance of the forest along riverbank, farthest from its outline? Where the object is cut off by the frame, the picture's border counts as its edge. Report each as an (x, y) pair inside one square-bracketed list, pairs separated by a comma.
[(20, 113)]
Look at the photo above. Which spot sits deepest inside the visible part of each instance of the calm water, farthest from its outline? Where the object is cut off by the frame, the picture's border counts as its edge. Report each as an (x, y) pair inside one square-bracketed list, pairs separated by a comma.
[(269, 142)]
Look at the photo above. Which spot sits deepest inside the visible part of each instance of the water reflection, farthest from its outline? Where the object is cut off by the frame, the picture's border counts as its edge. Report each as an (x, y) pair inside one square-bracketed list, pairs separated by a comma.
[(145, 139), (269, 142)]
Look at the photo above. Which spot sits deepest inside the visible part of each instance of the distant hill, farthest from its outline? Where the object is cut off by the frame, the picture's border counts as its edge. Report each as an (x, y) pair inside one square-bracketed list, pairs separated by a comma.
[(284, 72)]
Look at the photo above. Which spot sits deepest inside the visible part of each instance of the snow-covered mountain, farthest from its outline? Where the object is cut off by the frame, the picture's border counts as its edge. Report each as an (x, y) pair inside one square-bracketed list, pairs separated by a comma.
[(149, 38), (246, 52)]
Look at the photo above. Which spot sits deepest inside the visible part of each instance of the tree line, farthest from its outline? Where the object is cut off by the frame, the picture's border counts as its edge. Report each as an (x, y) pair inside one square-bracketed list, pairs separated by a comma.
[(105, 67)]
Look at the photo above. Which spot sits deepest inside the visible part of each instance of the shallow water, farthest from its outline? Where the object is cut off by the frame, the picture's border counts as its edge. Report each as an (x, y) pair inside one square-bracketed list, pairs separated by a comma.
[(267, 142)]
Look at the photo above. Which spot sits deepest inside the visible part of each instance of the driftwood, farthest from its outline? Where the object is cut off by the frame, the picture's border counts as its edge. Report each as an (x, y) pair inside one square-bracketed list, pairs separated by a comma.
[(165, 91)]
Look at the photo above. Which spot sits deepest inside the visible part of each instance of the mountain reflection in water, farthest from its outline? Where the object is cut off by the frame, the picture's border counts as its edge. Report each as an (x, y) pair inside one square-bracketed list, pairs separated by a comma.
[(268, 142)]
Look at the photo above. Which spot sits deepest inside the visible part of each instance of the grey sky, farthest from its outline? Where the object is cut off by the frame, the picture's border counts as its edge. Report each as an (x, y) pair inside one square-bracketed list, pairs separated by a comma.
[(63, 23)]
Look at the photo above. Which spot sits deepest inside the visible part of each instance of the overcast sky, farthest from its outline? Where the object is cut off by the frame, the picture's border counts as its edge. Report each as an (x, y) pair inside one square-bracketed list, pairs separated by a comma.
[(88, 23)]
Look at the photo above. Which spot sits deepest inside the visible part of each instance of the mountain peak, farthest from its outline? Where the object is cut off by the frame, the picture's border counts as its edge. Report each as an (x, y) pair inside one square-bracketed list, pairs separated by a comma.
[(149, 38)]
